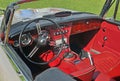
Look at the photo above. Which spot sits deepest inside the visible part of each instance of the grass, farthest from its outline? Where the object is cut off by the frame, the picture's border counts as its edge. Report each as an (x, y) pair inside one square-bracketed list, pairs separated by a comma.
[(79, 5), (93, 6)]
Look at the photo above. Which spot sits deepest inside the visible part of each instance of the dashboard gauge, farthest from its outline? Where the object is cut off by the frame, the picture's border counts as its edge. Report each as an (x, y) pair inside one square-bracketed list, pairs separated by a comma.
[(59, 41), (26, 39), (16, 43)]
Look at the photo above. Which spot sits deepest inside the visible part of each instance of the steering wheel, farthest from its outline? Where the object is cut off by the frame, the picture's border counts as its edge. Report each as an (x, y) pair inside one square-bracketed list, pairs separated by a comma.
[(41, 40)]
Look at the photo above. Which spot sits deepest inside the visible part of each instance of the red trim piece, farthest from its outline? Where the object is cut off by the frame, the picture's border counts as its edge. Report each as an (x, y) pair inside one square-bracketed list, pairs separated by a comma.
[(2, 36), (25, 1)]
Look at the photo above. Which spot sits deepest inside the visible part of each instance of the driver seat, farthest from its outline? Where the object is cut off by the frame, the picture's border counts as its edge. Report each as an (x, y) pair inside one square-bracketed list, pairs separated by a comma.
[(53, 74)]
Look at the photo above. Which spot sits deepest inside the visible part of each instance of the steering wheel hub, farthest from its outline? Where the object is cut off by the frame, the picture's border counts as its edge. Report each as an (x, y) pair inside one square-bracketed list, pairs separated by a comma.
[(43, 38)]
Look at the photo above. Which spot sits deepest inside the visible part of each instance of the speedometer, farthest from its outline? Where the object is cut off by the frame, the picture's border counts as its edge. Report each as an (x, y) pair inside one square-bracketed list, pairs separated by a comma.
[(26, 39)]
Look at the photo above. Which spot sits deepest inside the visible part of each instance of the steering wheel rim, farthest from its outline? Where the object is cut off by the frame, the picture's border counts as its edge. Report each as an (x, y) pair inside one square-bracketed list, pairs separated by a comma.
[(20, 47)]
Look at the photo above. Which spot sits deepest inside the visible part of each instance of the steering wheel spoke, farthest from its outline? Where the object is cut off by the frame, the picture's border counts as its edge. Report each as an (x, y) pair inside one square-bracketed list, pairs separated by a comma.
[(38, 28), (32, 53)]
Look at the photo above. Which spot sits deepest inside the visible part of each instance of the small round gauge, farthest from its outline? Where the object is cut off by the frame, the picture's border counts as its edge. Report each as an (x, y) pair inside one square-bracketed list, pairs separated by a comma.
[(16, 43), (26, 39)]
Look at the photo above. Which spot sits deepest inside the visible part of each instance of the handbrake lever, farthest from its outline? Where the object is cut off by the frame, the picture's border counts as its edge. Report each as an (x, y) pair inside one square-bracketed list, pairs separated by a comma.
[(90, 58)]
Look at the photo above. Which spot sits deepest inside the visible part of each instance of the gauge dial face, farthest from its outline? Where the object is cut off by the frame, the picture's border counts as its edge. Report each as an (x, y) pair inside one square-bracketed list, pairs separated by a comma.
[(16, 43), (26, 39)]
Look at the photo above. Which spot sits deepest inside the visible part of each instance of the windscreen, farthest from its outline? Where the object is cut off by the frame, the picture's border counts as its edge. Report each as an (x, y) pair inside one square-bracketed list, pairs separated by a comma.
[(93, 6)]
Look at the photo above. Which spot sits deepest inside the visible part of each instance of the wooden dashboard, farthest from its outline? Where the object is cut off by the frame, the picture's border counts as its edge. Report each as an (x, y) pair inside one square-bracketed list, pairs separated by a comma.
[(85, 25)]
